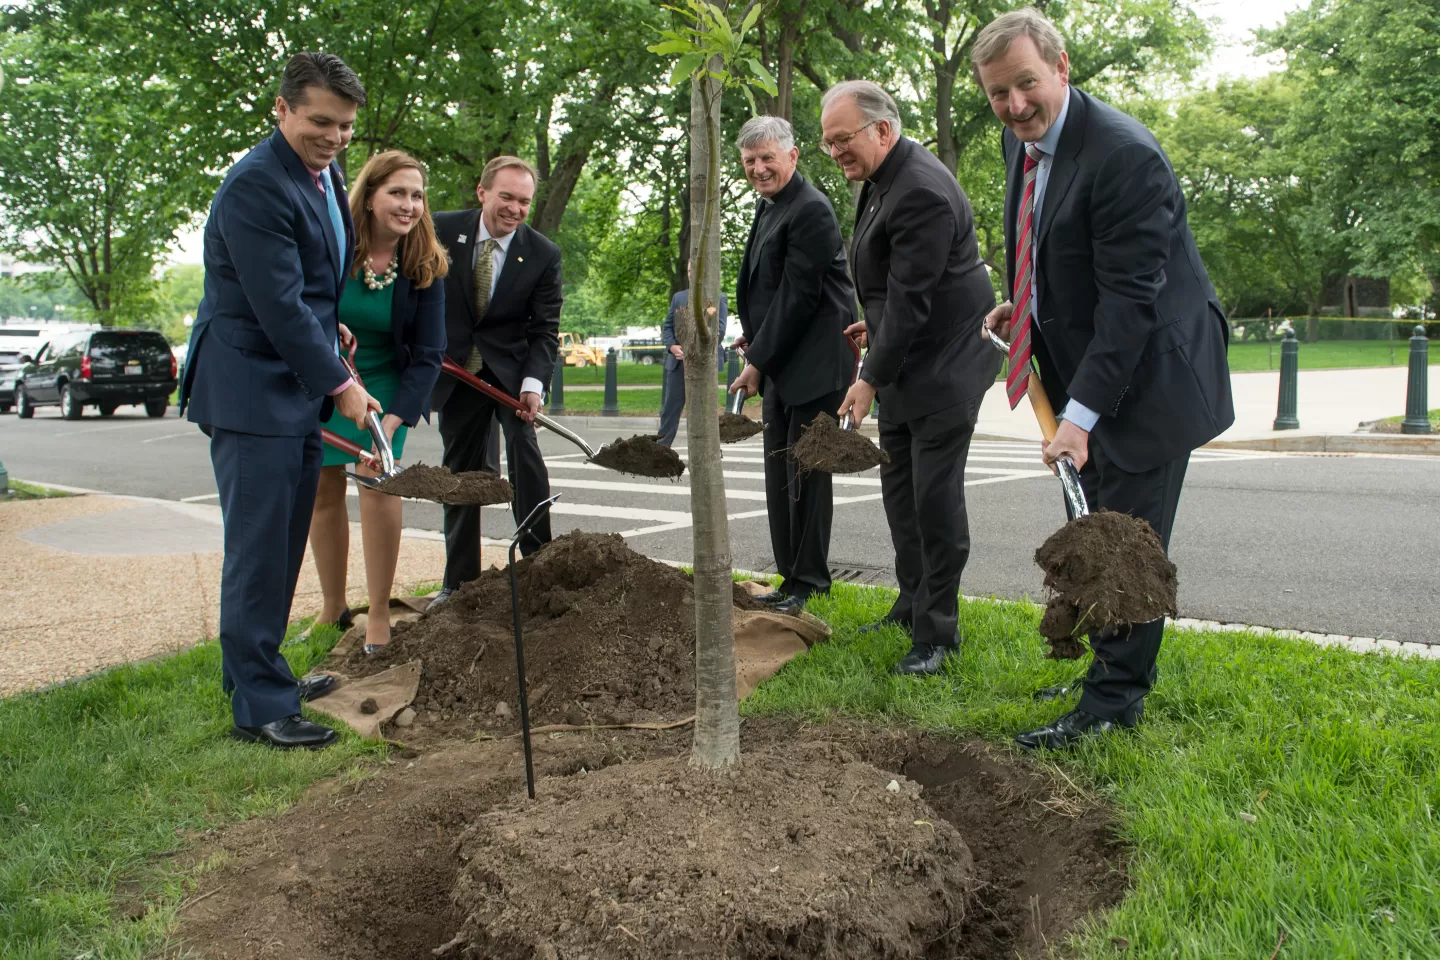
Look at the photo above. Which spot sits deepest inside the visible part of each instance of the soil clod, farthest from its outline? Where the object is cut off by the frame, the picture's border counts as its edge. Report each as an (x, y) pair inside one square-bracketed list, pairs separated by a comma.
[(735, 427), (422, 482), (826, 447), (642, 455), (1106, 569), (369, 706)]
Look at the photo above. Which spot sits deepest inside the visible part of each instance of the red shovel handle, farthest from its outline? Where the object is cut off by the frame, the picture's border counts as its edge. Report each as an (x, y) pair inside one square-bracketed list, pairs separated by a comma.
[(345, 446), (469, 379)]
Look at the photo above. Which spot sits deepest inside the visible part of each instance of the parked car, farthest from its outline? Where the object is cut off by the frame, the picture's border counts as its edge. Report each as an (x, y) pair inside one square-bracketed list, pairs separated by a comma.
[(103, 368), (10, 368)]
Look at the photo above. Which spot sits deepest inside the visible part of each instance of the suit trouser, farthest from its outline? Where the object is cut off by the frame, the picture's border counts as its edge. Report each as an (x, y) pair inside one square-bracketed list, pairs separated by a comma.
[(267, 494), (800, 508), (672, 403), (1123, 668), (465, 427), (923, 488)]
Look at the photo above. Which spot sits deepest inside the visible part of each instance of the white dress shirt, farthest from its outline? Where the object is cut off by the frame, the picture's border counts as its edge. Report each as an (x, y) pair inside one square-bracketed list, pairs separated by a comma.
[(1075, 411), (529, 384)]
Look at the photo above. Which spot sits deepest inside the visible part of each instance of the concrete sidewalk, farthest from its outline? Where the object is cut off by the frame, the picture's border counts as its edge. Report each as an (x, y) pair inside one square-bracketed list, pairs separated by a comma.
[(1331, 405)]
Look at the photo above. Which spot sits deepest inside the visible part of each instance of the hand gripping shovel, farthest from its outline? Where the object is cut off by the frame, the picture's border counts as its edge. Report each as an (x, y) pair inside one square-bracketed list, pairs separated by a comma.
[(377, 437)]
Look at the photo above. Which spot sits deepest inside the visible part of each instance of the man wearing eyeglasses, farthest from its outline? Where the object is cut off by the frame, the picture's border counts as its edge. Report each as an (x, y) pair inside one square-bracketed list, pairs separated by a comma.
[(925, 291)]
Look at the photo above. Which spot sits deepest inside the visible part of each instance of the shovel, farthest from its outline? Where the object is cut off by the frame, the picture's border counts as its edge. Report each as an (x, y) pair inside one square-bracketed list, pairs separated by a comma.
[(666, 462), (847, 422), (377, 437), (1045, 415)]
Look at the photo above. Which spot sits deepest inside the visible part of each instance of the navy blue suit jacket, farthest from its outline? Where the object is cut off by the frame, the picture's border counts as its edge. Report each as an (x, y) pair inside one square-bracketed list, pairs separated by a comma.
[(667, 330), (417, 320), (262, 351)]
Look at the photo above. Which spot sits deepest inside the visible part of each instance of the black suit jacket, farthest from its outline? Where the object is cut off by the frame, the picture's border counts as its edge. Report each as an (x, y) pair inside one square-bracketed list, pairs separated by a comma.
[(795, 297), (667, 330), (519, 335), (923, 287), (1127, 321), (417, 322)]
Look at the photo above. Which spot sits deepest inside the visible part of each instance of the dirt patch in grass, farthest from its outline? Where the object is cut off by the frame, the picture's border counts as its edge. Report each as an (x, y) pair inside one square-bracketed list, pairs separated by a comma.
[(641, 455), (1105, 569), (825, 447), (639, 851)]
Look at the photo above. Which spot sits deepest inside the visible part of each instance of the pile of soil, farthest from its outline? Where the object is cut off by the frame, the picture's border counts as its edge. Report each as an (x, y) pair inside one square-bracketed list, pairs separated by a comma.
[(735, 427), (364, 867), (802, 851), (609, 638), (423, 482), (1105, 570), (641, 455), (824, 446)]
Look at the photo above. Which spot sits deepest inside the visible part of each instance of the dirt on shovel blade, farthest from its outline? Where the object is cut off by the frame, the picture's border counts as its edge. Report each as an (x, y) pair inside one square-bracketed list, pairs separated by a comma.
[(422, 482), (1109, 569), (735, 427), (479, 487), (824, 446), (641, 455)]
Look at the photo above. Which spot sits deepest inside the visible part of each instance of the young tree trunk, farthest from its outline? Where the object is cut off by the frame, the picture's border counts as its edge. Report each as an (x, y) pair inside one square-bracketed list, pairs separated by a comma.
[(717, 716)]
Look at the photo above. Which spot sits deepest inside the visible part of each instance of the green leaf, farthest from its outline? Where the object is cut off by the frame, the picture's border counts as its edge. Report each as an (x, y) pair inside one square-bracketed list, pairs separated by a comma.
[(750, 97), (763, 79), (685, 67), (671, 46), (750, 19)]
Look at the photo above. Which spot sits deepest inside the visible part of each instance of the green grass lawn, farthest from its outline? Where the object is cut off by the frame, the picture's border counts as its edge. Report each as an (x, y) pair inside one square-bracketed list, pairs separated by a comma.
[(20, 490), (1273, 785), (633, 374), (1393, 423), (1324, 355), (633, 403)]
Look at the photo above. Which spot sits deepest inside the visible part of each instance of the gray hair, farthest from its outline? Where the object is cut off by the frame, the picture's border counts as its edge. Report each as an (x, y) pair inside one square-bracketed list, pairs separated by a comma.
[(761, 130), (872, 100), (994, 41)]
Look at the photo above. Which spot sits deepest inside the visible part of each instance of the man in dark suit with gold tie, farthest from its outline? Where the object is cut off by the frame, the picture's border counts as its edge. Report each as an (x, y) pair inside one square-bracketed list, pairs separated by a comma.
[(502, 323)]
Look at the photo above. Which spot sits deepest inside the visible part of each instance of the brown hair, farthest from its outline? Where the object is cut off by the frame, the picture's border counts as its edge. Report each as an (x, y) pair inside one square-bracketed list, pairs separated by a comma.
[(422, 259), (487, 176), (994, 41), (324, 70)]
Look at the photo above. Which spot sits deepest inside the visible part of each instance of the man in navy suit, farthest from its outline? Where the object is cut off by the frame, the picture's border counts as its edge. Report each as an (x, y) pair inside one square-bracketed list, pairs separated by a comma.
[(672, 401), (262, 372)]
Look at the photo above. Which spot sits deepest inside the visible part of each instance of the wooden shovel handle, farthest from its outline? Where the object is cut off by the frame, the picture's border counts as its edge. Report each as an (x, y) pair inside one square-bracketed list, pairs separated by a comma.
[(1044, 412)]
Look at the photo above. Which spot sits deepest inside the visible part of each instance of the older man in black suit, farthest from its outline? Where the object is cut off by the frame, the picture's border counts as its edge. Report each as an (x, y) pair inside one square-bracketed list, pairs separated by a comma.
[(1111, 299), (795, 300), (924, 291), (502, 323)]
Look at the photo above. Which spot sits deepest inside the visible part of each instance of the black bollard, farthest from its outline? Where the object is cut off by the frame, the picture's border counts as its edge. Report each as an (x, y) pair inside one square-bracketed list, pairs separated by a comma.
[(1417, 402), (612, 391), (1285, 414), (732, 366), (520, 531), (557, 387)]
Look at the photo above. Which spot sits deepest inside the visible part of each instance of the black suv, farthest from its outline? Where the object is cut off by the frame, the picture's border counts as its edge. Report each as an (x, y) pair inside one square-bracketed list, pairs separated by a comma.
[(107, 368), (11, 366)]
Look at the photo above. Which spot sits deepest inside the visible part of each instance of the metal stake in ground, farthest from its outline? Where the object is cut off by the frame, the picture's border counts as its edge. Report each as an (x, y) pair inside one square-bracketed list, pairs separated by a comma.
[(520, 531)]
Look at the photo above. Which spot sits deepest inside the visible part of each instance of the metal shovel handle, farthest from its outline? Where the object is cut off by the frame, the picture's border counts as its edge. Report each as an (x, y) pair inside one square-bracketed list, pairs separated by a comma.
[(1045, 415), (847, 422), (372, 423), (505, 400)]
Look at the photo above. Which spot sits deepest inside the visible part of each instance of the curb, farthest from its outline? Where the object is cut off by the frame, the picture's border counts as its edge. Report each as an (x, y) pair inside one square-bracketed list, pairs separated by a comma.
[(1386, 443)]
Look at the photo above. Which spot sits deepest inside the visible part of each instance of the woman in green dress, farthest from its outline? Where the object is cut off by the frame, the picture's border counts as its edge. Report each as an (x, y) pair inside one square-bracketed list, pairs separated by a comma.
[(392, 314)]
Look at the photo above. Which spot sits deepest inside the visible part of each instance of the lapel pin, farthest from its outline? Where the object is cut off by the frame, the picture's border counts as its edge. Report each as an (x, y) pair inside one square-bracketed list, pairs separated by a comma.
[(520, 259), (461, 238)]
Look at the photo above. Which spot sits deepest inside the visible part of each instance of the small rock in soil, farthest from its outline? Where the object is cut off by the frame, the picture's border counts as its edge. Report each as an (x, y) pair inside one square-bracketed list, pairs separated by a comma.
[(502, 710), (369, 706), (406, 718)]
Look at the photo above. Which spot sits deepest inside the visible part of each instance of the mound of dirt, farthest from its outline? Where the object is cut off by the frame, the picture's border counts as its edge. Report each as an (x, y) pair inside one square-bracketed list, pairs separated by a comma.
[(422, 482), (1109, 569), (735, 427), (609, 638), (642, 456), (803, 851), (824, 446)]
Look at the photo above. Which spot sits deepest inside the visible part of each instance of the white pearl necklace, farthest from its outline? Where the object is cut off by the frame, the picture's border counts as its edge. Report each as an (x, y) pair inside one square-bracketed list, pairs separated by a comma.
[(385, 279)]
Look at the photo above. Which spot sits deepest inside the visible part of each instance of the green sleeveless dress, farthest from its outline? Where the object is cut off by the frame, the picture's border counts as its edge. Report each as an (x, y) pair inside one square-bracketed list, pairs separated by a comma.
[(367, 313)]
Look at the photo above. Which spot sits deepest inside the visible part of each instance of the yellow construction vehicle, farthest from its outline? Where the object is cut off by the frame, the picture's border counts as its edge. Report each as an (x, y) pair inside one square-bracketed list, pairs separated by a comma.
[(577, 354)]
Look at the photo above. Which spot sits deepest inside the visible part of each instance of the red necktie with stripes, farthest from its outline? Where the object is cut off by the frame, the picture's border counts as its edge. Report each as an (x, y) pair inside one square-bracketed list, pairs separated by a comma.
[(1019, 376)]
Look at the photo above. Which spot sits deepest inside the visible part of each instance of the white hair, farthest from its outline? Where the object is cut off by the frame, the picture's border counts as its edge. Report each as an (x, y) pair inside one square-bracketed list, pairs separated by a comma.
[(871, 99), (761, 130)]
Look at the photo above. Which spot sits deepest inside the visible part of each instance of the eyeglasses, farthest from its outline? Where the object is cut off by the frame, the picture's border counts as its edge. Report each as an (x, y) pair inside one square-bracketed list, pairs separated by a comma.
[(828, 146)]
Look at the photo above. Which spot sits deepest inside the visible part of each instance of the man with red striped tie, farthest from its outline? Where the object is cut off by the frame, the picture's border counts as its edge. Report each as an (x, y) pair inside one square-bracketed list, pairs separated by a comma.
[(1110, 299)]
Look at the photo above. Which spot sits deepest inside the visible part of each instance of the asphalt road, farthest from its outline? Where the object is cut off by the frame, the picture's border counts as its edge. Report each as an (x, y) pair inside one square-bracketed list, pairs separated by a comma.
[(1331, 544)]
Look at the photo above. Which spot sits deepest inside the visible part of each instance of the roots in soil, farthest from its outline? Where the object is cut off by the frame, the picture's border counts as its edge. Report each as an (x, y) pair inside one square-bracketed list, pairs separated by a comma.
[(1105, 570), (641, 455), (826, 447), (736, 426), (803, 851)]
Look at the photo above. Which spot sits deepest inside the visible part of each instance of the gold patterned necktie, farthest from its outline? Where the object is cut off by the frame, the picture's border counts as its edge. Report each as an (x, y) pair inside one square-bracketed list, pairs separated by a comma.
[(484, 273)]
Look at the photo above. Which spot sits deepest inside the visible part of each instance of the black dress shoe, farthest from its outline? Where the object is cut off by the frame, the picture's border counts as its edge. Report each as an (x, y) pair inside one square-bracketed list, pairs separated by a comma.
[(884, 624), (288, 734), (774, 596), (313, 688), (790, 605), (922, 661), (1068, 731), (441, 598)]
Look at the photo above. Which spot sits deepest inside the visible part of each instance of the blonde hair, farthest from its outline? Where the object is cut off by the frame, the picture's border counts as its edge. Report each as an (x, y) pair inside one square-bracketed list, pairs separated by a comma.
[(421, 257), (994, 41), (487, 176)]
